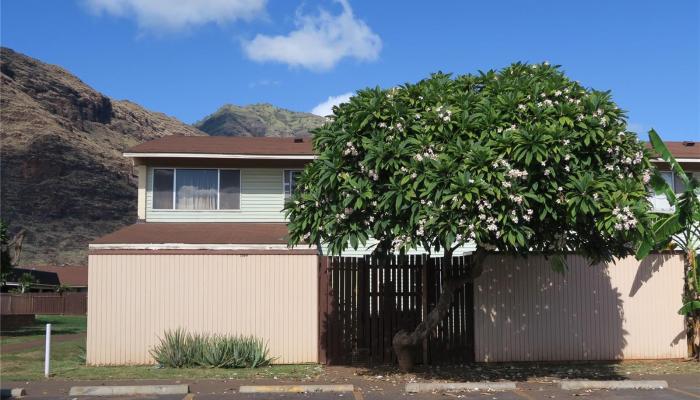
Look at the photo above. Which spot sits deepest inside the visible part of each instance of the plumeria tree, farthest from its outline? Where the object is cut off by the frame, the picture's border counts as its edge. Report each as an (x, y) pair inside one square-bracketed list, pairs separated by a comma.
[(520, 160), (679, 230)]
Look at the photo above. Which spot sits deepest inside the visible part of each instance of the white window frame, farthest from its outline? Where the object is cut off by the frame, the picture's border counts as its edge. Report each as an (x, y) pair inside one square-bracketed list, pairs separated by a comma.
[(218, 189), (673, 180), (285, 173)]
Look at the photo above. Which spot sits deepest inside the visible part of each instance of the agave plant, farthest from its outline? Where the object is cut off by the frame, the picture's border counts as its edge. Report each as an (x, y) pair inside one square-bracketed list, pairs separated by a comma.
[(679, 229), (180, 349)]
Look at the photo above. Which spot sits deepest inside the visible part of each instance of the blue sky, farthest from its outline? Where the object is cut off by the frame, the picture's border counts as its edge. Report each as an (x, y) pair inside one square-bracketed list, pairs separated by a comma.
[(187, 58)]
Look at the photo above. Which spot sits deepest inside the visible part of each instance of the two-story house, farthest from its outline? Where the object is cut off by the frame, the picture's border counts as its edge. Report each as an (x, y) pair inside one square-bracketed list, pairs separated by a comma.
[(209, 251)]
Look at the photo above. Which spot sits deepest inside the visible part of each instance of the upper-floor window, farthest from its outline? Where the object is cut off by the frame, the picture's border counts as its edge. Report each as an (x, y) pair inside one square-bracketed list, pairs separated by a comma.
[(290, 181), (196, 189), (673, 181)]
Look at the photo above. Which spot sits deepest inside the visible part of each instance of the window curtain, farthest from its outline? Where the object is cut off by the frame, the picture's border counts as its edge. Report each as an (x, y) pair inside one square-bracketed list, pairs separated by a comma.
[(196, 189)]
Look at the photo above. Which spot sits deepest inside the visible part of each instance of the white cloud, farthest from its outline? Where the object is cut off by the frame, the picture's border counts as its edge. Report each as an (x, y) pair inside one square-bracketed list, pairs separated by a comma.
[(174, 15), (326, 108), (319, 42)]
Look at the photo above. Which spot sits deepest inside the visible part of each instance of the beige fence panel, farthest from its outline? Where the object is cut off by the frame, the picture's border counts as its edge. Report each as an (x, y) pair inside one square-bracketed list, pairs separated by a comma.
[(135, 298), (625, 310)]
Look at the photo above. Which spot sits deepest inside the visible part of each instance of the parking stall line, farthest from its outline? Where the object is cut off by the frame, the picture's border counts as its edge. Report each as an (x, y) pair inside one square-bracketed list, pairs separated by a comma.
[(686, 393)]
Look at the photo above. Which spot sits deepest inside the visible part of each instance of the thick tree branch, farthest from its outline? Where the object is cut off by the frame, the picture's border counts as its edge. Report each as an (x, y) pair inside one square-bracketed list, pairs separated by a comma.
[(449, 287)]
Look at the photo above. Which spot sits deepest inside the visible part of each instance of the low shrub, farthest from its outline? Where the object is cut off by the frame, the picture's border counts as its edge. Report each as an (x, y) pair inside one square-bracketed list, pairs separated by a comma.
[(181, 349)]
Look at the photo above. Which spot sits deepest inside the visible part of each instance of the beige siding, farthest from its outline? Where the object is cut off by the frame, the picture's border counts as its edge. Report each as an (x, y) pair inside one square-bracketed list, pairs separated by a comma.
[(525, 311), (134, 298)]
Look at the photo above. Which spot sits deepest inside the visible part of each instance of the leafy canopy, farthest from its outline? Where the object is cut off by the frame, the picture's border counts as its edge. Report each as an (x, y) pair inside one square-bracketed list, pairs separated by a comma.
[(680, 228), (522, 159)]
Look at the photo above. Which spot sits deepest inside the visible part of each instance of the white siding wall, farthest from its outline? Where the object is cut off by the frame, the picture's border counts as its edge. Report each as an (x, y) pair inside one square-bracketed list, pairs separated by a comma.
[(262, 200)]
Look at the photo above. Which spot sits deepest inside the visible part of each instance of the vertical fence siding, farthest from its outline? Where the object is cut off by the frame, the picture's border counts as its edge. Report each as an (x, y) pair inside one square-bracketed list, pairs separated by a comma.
[(625, 310), (135, 298), (43, 303), (363, 304)]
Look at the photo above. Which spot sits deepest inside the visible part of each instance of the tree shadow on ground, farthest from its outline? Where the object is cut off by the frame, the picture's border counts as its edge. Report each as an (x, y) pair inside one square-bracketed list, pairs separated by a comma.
[(60, 325), (524, 371)]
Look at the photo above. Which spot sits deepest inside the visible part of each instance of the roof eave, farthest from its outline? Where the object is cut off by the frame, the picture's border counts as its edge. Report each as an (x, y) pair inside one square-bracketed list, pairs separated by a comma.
[(223, 156), (682, 160)]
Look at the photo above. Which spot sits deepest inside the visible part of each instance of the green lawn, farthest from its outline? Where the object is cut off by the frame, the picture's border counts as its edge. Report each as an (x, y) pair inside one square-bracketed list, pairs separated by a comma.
[(60, 325), (67, 362)]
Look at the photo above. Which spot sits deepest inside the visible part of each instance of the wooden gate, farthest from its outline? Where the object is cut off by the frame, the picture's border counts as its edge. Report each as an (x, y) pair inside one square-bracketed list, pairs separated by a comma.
[(362, 305)]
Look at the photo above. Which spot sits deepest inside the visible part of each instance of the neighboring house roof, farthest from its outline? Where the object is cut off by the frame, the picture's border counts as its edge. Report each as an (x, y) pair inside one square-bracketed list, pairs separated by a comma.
[(224, 147), (197, 236), (68, 275), (687, 150), (43, 278)]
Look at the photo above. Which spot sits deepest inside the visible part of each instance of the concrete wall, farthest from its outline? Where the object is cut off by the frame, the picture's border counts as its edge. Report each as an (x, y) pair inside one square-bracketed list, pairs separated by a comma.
[(133, 299), (625, 310)]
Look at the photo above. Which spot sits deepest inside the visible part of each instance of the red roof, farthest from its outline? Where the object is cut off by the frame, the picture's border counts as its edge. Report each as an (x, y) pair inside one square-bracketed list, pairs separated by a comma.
[(198, 233), (226, 145), (687, 149), (69, 275)]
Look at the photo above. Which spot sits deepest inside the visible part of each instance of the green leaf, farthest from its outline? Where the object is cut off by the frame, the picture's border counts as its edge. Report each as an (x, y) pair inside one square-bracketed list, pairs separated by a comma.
[(689, 307), (660, 147)]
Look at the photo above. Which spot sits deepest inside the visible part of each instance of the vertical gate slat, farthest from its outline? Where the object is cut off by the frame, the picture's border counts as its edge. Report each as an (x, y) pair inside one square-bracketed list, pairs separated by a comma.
[(367, 303)]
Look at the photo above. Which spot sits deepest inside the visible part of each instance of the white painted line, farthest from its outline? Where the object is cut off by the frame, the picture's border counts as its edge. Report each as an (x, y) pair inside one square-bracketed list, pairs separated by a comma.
[(296, 388), (127, 390), (579, 385), (429, 387)]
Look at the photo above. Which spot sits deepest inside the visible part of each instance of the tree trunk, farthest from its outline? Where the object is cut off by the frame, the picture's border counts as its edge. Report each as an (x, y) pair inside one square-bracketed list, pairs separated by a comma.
[(691, 291), (405, 343), (695, 340)]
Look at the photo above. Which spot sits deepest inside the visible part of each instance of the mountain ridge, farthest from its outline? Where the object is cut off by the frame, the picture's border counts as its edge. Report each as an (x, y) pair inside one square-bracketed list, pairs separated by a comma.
[(258, 119), (64, 178), (63, 175)]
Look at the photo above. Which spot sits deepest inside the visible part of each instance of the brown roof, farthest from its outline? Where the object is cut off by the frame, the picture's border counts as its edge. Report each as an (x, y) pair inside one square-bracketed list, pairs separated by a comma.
[(198, 233), (69, 275), (687, 149), (226, 145), (291, 146)]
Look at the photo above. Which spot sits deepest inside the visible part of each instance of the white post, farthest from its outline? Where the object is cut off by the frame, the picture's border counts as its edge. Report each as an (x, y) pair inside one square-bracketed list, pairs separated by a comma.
[(47, 356)]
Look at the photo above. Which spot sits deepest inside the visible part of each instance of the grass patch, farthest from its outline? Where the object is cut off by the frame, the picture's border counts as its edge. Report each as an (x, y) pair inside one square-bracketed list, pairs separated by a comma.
[(60, 325), (67, 363)]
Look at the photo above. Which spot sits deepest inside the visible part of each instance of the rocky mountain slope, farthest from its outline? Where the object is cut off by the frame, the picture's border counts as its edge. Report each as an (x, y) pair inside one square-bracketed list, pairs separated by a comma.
[(258, 120), (63, 177)]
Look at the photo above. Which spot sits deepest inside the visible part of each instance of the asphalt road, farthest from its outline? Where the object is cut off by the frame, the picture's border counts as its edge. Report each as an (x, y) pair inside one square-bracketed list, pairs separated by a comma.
[(667, 394)]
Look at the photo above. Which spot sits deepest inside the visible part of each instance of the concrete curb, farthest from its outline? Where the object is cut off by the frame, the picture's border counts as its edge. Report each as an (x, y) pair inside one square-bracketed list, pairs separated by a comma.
[(579, 385), (128, 390), (14, 392), (296, 388), (429, 387)]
